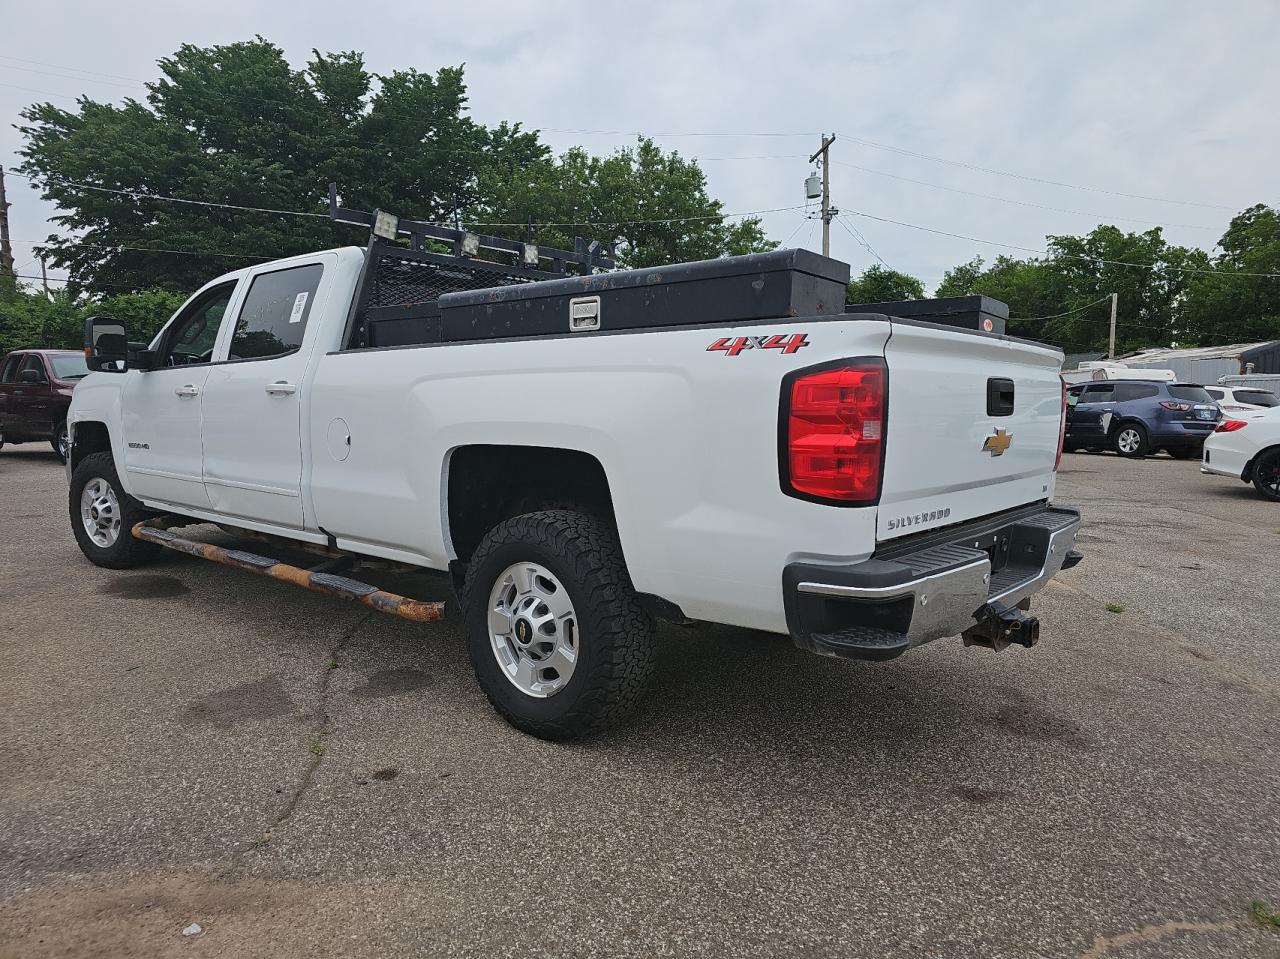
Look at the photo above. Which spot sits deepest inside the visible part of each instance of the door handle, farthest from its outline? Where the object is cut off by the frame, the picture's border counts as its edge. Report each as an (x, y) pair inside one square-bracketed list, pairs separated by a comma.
[(281, 388), (189, 390)]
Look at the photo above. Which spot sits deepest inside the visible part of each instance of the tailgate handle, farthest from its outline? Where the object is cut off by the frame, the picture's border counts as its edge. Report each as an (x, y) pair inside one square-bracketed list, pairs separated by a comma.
[(999, 396)]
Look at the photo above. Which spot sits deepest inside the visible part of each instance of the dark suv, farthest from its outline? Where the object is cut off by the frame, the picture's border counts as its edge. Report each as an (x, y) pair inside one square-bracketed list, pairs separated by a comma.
[(35, 391), (1136, 417)]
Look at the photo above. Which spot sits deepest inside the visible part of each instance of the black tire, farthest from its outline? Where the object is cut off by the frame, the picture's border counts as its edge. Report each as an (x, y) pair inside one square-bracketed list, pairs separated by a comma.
[(1266, 475), (61, 441), (1120, 440), (614, 634), (125, 552)]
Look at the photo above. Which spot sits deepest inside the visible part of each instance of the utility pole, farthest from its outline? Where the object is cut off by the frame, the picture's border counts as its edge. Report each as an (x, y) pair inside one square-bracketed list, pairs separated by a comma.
[(1111, 342), (6, 251), (44, 278), (827, 211)]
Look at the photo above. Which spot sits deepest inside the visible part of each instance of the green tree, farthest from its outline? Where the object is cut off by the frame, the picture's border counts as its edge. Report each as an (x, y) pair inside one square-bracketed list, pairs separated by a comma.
[(960, 280), (235, 124), (30, 320), (879, 284), (1234, 305), (654, 204)]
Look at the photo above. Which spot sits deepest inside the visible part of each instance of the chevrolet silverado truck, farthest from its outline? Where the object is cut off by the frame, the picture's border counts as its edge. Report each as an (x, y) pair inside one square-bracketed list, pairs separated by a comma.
[(588, 452)]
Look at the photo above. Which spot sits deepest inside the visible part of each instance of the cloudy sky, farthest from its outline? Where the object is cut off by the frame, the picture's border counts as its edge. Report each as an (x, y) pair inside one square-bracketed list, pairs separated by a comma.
[(1112, 101)]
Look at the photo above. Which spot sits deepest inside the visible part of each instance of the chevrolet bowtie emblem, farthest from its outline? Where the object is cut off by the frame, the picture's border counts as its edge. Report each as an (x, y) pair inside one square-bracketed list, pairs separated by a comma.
[(997, 444)]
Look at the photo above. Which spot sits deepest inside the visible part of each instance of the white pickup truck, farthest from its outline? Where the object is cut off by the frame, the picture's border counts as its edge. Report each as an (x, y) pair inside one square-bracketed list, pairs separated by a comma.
[(587, 454)]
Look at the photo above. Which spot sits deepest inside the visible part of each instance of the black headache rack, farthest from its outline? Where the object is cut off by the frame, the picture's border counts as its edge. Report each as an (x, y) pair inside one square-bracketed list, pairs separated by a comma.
[(411, 295), (397, 300)]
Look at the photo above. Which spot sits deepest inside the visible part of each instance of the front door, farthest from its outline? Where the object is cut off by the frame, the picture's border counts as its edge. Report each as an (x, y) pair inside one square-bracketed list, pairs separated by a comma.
[(162, 456), (1090, 416), (32, 400), (252, 402), (8, 383)]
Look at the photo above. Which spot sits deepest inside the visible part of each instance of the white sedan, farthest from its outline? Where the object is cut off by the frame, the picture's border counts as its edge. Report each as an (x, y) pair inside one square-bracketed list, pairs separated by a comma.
[(1249, 450)]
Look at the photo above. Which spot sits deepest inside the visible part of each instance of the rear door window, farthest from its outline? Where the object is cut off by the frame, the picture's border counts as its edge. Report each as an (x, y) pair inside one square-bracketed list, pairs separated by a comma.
[(10, 372), (1257, 397), (1190, 394), (1104, 393), (275, 312), (1135, 391)]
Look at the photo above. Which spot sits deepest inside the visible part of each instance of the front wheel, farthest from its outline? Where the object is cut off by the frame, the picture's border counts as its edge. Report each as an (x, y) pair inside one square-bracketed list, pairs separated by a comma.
[(1266, 475), (557, 637), (1130, 439), (103, 515)]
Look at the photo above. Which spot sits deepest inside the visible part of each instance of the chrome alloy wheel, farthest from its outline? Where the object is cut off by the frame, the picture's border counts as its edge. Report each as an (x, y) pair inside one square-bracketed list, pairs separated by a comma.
[(533, 629), (1128, 440), (63, 442), (100, 512)]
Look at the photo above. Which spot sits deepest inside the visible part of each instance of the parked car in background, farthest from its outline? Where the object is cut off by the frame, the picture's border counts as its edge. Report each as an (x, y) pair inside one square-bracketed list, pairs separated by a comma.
[(35, 391), (1239, 399), (1249, 450), (1136, 417)]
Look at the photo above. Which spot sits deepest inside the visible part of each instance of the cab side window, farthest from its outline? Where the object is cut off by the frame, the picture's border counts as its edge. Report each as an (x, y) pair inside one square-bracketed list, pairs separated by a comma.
[(191, 338), (275, 312), (10, 372)]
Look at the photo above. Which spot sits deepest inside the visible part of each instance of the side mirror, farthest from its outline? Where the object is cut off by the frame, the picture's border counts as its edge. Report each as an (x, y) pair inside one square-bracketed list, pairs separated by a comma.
[(106, 344), (30, 376)]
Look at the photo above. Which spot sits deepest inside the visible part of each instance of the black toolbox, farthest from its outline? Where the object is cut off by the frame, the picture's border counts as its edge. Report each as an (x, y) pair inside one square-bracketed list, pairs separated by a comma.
[(720, 292)]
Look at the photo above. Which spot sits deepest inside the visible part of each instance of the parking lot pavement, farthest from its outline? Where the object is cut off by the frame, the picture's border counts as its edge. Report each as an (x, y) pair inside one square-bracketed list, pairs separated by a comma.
[(188, 744)]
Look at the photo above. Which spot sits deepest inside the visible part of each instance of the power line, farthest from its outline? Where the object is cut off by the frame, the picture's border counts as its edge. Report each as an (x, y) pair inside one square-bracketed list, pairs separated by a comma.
[(1027, 203), (1067, 256), (1033, 179), (150, 249), (857, 235), (134, 194), (1068, 313)]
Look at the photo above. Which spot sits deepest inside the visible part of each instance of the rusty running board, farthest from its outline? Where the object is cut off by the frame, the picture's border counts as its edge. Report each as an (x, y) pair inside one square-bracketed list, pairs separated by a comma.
[(157, 531)]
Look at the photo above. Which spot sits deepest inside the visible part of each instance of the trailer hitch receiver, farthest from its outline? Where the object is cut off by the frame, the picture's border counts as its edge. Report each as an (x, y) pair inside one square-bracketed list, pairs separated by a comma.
[(999, 625)]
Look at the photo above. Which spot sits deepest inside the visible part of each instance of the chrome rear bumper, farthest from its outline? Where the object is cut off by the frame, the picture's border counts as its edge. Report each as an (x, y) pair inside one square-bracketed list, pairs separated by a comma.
[(880, 608)]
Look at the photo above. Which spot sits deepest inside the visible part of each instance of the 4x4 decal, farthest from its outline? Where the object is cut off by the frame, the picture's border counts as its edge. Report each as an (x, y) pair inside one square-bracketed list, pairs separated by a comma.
[(786, 342)]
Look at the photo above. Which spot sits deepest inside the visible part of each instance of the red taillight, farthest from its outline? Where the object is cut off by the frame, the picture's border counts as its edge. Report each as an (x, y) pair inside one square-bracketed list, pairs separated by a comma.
[(835, 421), (1062, 425), (1230, 426), (1181, 407)]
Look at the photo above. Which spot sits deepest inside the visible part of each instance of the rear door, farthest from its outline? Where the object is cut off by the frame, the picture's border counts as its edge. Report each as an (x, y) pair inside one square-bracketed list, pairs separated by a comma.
[(8, 383), (972, 427), (252, 419)]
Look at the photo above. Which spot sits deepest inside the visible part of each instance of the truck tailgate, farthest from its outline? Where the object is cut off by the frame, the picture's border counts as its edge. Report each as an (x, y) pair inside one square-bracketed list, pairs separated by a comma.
[(953, 449)]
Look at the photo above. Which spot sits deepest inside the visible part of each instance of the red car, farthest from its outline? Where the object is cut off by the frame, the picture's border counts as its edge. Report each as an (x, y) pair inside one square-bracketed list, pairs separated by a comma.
[(35, 391)]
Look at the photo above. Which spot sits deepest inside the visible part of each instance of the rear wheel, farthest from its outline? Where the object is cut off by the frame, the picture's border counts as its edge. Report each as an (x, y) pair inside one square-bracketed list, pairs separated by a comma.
[(103, 515), (1266, 474), (557, 637), (61, 441), (1130, 439)]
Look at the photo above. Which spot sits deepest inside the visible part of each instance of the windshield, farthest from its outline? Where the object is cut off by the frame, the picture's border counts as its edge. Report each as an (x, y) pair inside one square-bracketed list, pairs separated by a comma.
[(1257, 397), (1192, 394), (69, 367)]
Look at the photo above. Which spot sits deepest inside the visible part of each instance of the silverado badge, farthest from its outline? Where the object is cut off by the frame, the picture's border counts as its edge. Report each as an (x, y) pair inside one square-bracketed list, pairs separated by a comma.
[(997, 444)]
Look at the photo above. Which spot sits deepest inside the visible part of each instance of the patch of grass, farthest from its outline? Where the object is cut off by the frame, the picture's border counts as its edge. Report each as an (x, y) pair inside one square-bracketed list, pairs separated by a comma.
[(333, 664), (1114, 608), (1261, 913), (316, 748)]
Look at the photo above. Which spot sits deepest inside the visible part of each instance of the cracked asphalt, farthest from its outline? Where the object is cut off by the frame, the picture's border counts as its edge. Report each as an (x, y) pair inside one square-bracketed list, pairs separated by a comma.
[(189, 744)]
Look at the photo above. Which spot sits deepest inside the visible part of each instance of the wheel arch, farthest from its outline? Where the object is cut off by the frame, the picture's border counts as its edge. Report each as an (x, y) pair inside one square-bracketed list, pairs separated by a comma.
[(1247, 473), (87, 437), (485, 484)]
